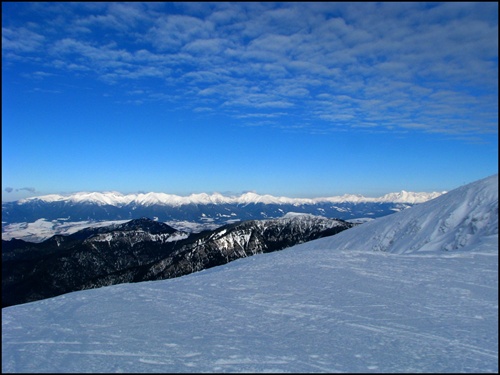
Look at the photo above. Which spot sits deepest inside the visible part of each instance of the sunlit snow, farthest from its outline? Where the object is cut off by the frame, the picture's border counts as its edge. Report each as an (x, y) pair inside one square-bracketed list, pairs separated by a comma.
[(42, 229), (118, 199)]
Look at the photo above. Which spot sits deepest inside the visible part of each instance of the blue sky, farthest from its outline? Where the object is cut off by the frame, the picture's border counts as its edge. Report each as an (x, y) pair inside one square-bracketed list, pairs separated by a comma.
[(289, 99)]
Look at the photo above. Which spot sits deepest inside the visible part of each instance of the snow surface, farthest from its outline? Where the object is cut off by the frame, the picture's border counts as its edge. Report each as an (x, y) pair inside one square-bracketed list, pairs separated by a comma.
[(117, 199), (310, 308), (43, 229), (464, 216)]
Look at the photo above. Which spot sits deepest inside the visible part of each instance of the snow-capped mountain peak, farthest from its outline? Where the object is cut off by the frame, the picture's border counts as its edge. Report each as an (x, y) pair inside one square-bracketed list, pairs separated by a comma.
[(202, 208), (118, 199), (294, 215)]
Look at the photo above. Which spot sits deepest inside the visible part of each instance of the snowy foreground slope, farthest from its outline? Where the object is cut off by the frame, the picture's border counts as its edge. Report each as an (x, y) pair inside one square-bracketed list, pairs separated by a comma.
[(464, 216), (309, 308)]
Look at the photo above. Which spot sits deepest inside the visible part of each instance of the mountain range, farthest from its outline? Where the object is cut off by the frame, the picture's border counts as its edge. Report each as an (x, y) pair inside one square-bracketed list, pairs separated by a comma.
[(201, 208), (142, 250)]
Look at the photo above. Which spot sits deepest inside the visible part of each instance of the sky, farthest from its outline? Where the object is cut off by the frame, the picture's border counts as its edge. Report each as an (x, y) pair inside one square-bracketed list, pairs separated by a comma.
[(288, 99)]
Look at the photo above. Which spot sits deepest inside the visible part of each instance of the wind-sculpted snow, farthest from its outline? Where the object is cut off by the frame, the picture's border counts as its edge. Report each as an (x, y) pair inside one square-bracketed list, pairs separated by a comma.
[(462, 217)]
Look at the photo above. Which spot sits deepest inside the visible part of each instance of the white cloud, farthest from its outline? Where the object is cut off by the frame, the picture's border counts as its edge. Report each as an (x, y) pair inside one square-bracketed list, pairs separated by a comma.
[(21, 40), (424, 64), (174, 31)]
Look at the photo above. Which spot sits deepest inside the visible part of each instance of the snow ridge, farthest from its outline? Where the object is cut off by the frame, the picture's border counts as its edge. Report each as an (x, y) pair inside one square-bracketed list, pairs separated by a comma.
[(460, 218), (148, 199)]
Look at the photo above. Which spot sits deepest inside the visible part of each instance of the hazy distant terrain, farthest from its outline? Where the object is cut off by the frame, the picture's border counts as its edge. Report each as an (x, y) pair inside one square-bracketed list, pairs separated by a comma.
[(36, 219)]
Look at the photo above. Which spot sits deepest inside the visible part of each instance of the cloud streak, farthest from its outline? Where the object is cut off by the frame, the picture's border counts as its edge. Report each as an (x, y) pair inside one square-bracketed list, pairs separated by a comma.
[(28, 189), (409, 67)]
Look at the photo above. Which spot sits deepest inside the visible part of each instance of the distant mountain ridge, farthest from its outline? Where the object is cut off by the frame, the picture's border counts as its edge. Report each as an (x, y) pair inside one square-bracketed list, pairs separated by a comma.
[(202, 208), (147, 199)]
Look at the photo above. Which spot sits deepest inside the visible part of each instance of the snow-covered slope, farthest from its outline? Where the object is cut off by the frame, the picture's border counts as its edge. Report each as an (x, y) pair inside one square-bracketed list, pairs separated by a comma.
[(299, 310), (462, 217), (43, 229), (315, 307)]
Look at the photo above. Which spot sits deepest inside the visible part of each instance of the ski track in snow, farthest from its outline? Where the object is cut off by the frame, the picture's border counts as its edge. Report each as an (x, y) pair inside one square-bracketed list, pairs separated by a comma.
[(298, 310)]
